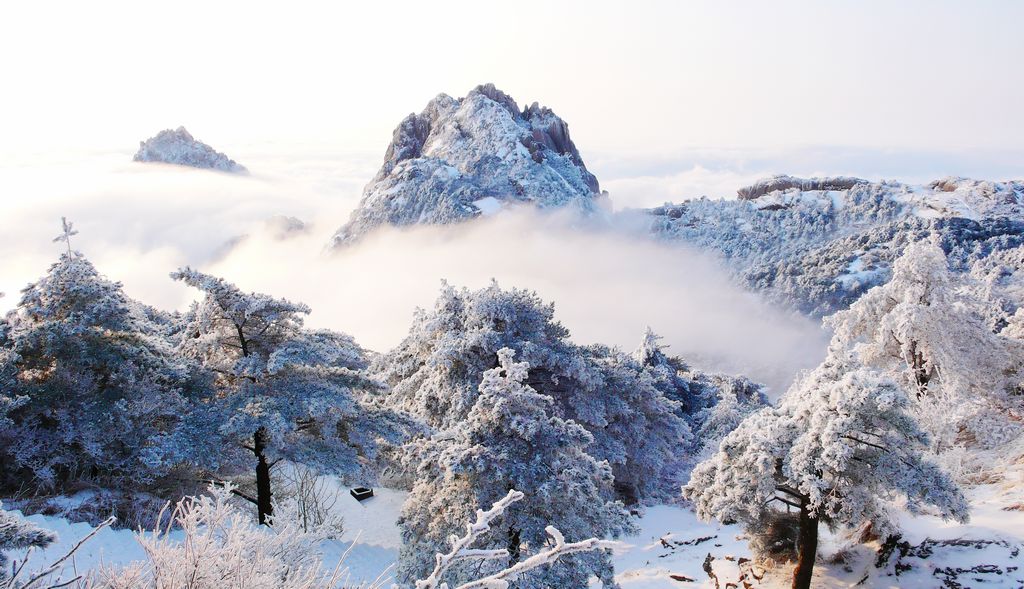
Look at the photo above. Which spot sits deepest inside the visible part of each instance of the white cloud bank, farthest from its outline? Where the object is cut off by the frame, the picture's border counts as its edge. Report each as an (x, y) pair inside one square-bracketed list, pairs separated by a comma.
[(138, 222)]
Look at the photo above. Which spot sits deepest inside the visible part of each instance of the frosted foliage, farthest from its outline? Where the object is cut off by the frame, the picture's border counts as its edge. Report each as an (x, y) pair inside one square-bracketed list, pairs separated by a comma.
[(436, 371), (509, 441), (301, 387), (178, 147), (842, 442), (925, 329), (443, 164), (97, 390)]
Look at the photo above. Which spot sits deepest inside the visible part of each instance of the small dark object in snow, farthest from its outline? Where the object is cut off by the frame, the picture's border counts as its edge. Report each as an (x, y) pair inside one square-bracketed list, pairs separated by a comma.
[(681, 578), (361, 493)]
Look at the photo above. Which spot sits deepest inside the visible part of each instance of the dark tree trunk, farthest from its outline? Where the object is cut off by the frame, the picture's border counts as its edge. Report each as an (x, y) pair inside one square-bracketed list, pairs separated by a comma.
[(807, 548), (264, 507), (514, 542)]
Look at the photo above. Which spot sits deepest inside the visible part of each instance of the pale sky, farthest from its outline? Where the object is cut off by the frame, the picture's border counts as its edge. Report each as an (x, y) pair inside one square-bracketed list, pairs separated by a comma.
[(632, 78), (666, 101)]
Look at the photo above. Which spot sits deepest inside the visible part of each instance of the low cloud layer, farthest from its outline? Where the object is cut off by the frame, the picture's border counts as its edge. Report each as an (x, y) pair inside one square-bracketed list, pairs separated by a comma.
[(138, 222)]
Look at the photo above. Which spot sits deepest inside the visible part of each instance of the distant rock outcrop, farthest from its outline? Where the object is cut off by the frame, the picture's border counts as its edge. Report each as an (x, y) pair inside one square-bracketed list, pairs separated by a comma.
[(462, 158), (774, 183), (178, 147)]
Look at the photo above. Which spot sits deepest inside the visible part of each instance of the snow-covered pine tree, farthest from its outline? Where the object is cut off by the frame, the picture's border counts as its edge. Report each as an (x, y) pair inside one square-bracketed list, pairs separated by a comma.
[(436, 371), (645, 436), (100, 388), (840, 446), (712, 404), (509, 440), (283, 391), (925, 330)]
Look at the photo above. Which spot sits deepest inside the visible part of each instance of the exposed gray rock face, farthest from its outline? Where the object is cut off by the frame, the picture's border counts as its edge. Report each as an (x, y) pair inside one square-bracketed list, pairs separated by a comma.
[(818, 244), (462, 158), (776, 183), (178, 147)]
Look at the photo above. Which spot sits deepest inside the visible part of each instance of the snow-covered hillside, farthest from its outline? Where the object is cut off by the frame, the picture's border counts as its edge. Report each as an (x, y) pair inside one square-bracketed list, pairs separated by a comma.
[(177, 146), (820, 243), (462, 158)]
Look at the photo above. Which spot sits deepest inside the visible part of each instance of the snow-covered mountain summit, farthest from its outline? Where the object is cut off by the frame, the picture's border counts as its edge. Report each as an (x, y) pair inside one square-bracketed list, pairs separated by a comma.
[(177, 146), (462, 158)]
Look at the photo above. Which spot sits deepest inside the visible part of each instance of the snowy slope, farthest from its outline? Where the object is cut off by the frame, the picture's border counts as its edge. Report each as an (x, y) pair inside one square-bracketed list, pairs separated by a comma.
[(177, 146), (461, 158), (818, 244)]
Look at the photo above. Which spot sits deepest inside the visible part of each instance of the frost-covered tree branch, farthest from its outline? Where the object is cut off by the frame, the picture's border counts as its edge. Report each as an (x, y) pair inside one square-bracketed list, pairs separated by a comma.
[(461, 551)]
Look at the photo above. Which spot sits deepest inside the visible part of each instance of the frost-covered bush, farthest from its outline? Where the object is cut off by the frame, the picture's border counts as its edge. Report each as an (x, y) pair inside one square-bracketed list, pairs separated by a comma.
[(509, 440), (211, 544), (308, 499)]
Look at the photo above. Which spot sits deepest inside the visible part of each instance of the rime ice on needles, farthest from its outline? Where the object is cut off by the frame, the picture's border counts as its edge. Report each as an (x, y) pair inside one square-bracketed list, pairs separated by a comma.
[(178, 147), (17, 533), (223, 549), (639, 415)]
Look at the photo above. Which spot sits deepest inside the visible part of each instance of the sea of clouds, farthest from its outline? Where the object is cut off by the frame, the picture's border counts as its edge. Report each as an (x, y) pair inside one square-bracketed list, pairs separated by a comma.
[(138, 222)]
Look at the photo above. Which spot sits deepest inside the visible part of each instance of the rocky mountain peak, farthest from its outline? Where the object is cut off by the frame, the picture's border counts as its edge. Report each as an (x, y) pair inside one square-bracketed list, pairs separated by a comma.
[(177, 146), (462, 158)]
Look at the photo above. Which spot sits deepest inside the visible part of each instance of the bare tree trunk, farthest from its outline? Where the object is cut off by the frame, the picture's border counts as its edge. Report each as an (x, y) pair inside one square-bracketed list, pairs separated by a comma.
[(514, 543), (807, 548), (264, 506)]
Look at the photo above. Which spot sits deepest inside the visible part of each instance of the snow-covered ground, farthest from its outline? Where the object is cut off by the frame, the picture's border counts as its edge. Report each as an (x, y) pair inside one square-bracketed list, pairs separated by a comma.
[(672, 547), (370, 542)]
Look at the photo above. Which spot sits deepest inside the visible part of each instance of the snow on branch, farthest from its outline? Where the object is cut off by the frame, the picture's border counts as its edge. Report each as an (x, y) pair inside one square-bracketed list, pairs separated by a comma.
[(461, 551)]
